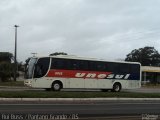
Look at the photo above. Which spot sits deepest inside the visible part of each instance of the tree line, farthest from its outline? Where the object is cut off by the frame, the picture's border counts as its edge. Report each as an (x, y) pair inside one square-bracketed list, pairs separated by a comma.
[(7, 66), (147, 56)]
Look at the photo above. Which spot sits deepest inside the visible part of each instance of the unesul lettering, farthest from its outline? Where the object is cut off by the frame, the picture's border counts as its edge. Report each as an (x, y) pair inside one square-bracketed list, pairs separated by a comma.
[(102, 76)]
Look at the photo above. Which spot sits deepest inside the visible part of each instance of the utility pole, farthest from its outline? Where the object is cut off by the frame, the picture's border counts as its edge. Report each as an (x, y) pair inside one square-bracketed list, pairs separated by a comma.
[(15, 54)]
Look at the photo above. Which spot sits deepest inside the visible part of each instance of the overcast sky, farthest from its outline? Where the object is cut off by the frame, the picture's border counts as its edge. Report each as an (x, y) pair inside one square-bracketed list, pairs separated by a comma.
[(107, 29)]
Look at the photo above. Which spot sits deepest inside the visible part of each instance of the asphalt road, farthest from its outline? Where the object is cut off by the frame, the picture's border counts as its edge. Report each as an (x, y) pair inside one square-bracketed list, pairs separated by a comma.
[(93, 110)]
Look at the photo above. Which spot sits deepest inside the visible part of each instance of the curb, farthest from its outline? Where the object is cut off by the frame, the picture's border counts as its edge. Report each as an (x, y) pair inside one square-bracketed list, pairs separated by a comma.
[(77, 99)]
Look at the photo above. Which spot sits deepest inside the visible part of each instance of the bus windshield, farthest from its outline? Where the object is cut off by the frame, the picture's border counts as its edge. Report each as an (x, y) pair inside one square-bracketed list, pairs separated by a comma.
[(30, 68)]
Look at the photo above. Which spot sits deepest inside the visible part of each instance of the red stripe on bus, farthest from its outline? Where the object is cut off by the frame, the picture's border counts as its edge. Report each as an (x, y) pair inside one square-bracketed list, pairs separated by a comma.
[(77, 74)]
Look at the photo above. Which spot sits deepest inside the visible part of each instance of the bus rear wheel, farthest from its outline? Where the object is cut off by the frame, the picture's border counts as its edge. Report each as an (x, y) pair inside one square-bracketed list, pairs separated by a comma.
[(116, 87), (56, 86)]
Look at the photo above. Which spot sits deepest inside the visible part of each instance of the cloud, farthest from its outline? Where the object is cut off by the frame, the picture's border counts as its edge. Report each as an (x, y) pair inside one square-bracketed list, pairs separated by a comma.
[(107, 29)]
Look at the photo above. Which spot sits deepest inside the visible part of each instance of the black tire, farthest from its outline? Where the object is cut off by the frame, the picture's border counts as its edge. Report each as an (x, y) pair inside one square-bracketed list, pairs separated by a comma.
[(117, 87), (56, 86)]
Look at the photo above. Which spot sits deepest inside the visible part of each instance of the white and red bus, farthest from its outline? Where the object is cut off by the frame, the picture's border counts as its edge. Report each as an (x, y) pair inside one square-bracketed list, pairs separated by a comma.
[(63, 71)]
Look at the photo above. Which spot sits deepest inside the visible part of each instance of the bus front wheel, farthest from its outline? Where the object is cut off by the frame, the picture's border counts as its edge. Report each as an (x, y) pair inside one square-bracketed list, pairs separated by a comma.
[(117, 87), (56, 86)]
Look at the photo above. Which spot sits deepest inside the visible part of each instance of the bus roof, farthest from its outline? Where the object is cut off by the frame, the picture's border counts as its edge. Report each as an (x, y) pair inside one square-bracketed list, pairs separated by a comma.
[(84, 58)]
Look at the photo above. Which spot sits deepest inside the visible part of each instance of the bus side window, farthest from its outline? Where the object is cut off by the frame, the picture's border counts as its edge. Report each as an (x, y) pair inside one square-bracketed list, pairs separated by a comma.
[(92, 66), (41, 67), (135, 71), (53, 64), (112, 67), (83, 65), (57, 64), (135, 68), (100, 66), (124, 68), (74, 65)]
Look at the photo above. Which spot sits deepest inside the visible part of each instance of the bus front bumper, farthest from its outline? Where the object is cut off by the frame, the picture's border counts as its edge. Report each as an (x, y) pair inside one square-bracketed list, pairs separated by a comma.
[(28, 83)]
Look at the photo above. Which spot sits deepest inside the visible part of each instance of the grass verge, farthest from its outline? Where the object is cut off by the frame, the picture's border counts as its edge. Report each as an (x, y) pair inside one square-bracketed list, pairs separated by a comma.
[(45, 94), (12, 83)]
